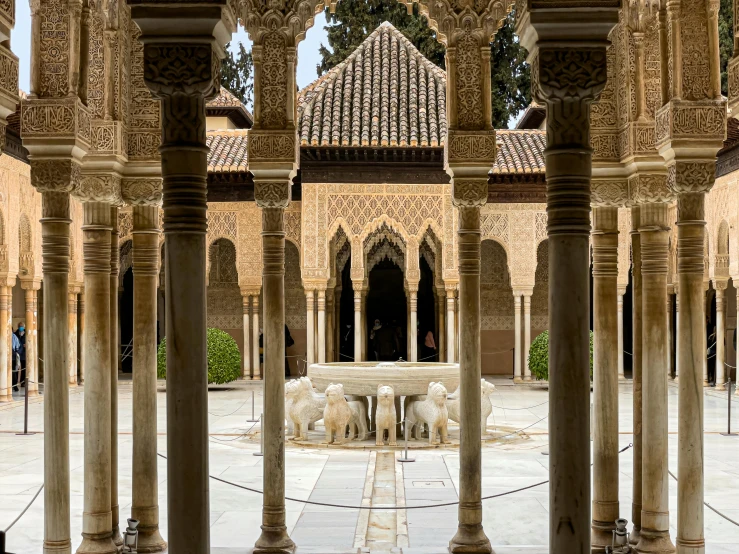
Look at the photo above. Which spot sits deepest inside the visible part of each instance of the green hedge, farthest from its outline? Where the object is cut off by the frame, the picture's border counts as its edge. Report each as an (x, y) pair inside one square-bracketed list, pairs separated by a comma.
[(224, 358), (539, 356)]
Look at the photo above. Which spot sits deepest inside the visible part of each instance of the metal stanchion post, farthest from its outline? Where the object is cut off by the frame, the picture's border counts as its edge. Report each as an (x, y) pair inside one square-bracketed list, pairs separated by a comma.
[(25, 415), (261, 436), (405, 458), (728, 424), (252, 420)]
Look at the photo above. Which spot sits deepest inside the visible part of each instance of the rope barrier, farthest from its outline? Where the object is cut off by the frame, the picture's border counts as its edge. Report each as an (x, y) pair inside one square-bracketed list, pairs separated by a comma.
[(24, 510), (424, 507), (707, 505), (513, 409)]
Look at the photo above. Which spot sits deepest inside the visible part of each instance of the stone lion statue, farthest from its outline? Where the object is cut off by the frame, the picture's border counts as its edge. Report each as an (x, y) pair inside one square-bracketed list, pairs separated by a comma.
[(386, 417), (431, 411), (290, 388), (486, 406), (358, 421), (336, 414), (306, 406)]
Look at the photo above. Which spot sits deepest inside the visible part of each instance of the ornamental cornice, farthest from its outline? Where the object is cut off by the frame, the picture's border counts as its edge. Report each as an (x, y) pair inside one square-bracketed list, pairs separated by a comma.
[(99, 188), (699, 122), (142, 191), (609, 192), (272, 194)]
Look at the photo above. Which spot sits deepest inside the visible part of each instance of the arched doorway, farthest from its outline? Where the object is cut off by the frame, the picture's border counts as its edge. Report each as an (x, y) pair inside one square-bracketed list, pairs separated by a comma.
[(225, 310), (497, 313), (386, 303)]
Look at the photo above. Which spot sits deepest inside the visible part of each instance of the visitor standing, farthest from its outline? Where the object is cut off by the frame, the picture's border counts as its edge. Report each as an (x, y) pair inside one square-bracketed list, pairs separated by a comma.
[(429, 346)]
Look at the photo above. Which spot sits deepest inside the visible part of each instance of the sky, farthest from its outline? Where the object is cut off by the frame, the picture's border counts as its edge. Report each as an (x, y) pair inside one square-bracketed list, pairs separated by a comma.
[(308, 56)]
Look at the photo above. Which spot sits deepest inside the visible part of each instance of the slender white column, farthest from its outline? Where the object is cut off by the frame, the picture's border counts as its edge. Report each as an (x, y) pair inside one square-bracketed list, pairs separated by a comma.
[(81, 336), (246, 368), (457, 332), (310, 330), (451, 339), (670, 334), (655, 518), (517, 371), (97, 516), (707, 309), (31, 358), (526, 336), (605, 376), (72, 338), (441, 329), (330, 325), (636, 364), (620, 317), (145, 484), (321, 306), (363, 319), (413, 336), (115, 361), (358, 337), (6, 386), (677, 352), (720, 332), (257, 372)]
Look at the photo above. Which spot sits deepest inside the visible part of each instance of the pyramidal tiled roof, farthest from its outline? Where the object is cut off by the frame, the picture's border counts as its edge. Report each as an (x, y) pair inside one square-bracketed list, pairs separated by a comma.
[(520, 151), (386, 93), (227, 151)]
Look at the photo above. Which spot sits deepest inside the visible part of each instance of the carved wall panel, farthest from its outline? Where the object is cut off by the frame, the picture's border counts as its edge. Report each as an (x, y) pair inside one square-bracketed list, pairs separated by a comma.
[(722, 204), (540, 296), (224, 296), (295, 303), (496, 294)]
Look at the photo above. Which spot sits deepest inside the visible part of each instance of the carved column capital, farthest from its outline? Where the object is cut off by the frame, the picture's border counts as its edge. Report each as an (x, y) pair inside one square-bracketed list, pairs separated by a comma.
[(470, 193), (142, 191), (649, 188), (609, 192), (272, 194), (104, 187), (181, 69), (56, 175)]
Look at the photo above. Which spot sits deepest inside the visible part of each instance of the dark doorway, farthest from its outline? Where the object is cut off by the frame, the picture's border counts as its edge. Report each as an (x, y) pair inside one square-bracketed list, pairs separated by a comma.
[(125, 317), (386, 301), (346, 315), (427, 313)]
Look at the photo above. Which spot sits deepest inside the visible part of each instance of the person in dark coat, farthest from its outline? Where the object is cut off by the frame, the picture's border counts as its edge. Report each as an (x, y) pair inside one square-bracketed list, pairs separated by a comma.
[(386, 344), (20, 374), (288, 343)]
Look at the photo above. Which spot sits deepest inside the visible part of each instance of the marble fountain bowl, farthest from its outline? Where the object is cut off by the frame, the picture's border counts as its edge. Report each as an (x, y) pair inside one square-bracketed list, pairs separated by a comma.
[(406, 378)]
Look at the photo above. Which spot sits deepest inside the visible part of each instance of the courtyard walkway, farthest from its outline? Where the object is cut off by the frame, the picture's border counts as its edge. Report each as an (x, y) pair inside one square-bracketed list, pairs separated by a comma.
[(516, 523)]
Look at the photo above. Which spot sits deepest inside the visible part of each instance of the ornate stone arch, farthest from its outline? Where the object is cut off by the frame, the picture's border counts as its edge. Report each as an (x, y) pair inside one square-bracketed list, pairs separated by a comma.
[(380, 223), (25, 247), (496, 290), (721, 257), (540, 294), (225, 309)]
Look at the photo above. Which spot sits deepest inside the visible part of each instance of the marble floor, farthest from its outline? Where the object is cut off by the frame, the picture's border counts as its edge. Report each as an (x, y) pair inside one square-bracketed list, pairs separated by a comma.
[(516, 523)]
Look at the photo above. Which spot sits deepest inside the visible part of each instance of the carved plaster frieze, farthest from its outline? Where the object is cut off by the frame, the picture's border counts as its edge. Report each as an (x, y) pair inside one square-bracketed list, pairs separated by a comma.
[(272, 194), (637, 138), (8, 80), (141, 191), (266, 146), (649, 188), (609, 192), (99, 188), (470, 146), (605, 145), (55, 118), (703, 121), (108, 137), (733, 74)]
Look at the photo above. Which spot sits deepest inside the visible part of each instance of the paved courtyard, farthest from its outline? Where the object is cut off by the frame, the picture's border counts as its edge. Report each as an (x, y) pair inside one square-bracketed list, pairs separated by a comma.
[(516, 523)]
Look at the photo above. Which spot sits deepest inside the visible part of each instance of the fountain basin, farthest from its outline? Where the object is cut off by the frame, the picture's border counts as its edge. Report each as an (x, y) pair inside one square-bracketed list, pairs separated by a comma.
[(406, 378)]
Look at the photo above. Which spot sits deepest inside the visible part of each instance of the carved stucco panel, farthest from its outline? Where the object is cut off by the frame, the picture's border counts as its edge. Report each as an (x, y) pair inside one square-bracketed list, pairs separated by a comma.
[(722, 204), (624, 246)]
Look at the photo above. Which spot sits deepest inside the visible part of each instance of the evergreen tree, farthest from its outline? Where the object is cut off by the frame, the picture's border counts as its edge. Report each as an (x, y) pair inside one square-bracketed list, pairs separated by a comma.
[(354, 20), (236, 73), (725, 40)]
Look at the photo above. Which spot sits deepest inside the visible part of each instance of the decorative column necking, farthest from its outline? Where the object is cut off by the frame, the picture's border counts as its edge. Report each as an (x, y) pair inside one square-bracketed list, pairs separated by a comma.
[(145, 504), (605, 376), (97, 532)]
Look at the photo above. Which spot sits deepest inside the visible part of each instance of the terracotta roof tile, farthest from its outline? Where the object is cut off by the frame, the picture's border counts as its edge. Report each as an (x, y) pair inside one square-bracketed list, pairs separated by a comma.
[(386, 93), (228, 152), (520, 151), (225, 99)]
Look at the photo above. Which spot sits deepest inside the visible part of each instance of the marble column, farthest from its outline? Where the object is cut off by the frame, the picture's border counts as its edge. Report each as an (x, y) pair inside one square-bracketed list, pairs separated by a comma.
[(97, 516), (707, 308), (605, 376), (457, 330), (330, 325), (413, 333), (6, 384), (470, 536), (620, 321), (115, 350), (358, 337), (720, 287), (451, 337), (145, 485), (321, 307), (365, 331), (257, 372), (72, 338), (677, 352), (246, 366), (81, 335), (636, 377), (526, 336), (691, 343), (655, 517), (55, 243), (517, 368), (671, 335), (310, 330), (29, 289), (274, 537)]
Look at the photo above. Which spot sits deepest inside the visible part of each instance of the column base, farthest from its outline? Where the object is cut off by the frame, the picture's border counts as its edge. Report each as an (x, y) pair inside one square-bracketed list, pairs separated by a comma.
[(150, 540), (527, 379), (706, 384), (655, 543), (117, 538), (676, 379), (621, 377), (691, 547), (58, 547), (720, 386), (470, 539), (103, 545), (274, 540), (601, 535), (32, 393), (517, 380), (72, 384), (635, 535)]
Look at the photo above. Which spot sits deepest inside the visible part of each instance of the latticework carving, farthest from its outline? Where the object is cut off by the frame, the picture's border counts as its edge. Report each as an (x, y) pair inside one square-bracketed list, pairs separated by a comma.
[(225, 309), (295, 304), (496, 294)]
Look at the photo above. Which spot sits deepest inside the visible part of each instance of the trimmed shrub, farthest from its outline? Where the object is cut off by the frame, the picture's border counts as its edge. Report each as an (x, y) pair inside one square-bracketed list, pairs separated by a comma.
[(224, 358), (539, 356)]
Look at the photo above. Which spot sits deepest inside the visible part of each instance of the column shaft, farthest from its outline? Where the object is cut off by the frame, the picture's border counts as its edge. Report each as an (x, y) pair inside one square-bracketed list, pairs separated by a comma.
[(413, 336), (526, 336), (80, 337), (677, 352), (691, 342), (274, 536), (671, 336), (115, 349), (357, 324), (605, 376), (441, 328), (257, 372), (6, 385), (31, 358), (97, 516), (655, 517), (517, 370), (330, 325), (470, 536), (55, 251), (246, 366), (720, 332), (620, 323), (450, 331), (72, 339), (145, 485), (636, 364), (310, 330), (321, 305)]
